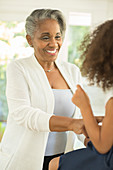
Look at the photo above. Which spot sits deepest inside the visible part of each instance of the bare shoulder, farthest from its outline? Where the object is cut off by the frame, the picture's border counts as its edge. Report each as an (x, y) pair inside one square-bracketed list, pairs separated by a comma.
[(109, 107), (109, 114), (54, 163)]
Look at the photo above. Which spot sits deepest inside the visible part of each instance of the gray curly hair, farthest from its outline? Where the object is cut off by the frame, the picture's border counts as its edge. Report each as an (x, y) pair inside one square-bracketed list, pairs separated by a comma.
[(37, 15)]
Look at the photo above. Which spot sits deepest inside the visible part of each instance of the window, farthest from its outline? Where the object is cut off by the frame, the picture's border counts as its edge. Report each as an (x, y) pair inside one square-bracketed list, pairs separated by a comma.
[(12, 45), (79, 26)]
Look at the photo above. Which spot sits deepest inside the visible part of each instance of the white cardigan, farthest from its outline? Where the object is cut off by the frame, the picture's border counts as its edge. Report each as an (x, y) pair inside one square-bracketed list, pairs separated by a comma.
[(24, 141)]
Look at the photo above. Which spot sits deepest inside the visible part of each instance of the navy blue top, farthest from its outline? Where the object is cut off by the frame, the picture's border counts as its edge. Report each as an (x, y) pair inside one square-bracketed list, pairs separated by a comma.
[(86, 159)]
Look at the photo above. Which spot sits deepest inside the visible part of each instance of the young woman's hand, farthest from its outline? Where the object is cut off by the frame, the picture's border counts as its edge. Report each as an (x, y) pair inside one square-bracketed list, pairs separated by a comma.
[(78, 127), (81, 99)]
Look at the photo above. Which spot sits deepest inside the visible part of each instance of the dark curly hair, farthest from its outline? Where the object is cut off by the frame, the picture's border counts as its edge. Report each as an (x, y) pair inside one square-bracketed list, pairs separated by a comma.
[(97, 56)]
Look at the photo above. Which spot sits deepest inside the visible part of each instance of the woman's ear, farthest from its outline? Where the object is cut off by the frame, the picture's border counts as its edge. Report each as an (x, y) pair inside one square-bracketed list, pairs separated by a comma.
[(29, 40)]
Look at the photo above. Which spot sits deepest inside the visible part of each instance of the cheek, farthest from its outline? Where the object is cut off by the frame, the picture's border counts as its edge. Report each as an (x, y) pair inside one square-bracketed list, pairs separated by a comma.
[(38, 45), (39, 51), (60, 44)]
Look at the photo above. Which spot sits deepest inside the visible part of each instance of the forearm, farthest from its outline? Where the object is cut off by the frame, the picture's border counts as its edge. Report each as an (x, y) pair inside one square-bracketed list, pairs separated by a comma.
[(60, 123), (98, 119), (91, 125)]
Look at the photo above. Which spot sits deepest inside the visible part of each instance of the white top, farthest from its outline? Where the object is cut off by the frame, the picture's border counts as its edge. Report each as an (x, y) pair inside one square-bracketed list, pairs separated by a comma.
[(31, 104), (63, 107), (109, 94)]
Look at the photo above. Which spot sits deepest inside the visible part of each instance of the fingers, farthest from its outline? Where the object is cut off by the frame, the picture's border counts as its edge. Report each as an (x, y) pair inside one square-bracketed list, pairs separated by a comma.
[(77, 90), (80, 97), (79, 87)]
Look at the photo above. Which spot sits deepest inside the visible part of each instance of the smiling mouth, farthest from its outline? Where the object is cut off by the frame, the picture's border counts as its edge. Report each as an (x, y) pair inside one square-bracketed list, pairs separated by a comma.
[(52, 52)]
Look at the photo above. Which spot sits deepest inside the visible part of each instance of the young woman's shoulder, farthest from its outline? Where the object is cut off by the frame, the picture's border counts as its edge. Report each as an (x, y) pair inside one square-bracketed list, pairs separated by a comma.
[(109, 108), (110, 102), (108, 95)]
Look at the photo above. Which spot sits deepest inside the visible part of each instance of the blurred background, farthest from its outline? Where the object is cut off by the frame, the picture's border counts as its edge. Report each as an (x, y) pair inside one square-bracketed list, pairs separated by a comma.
[(81, 16)]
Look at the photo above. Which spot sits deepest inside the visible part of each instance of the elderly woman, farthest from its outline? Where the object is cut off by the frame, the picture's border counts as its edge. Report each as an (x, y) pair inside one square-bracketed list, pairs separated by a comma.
[(39, 92)]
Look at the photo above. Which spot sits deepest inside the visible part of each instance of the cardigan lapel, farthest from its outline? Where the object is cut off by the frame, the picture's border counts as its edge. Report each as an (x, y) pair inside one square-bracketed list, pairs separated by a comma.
[(65, 75), (45, 87)]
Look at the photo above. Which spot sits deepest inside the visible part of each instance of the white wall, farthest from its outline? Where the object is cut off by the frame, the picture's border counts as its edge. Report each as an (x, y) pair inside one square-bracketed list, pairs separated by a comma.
[(19, 9)]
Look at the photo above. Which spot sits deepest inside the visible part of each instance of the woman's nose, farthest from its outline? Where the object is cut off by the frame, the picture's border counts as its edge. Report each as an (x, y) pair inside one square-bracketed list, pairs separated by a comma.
[(53, 42)]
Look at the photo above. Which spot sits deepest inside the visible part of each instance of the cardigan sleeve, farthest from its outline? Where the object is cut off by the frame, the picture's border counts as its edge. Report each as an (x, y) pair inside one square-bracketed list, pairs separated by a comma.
[(18, 99)]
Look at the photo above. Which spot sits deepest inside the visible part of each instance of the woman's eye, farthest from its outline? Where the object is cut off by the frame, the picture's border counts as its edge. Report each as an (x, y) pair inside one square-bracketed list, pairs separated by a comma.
[(45, 38), (58, 37)]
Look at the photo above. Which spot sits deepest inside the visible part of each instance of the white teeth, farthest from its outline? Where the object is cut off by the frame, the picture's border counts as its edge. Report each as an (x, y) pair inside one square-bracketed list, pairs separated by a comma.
[(51, 51)]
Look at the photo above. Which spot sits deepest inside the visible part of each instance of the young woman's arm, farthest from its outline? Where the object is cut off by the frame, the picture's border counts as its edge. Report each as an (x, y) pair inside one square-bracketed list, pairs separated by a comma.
[(101, 136)]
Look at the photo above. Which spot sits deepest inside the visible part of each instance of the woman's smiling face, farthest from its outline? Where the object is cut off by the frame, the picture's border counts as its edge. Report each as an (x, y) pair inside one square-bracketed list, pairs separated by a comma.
[(47, 40)]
